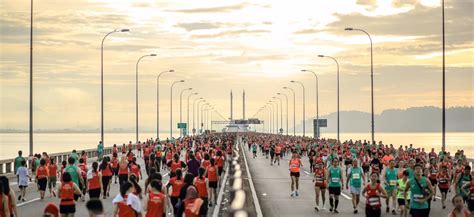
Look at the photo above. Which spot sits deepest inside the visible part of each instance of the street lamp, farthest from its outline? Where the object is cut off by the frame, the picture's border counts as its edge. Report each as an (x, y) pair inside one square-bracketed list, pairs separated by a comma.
[(201, 110), (271, 116), (317, 100), (304, 106), (136, 92), (158, 102), (286, 97), (197, 113), (187, 117), (194, 109), (337, 64), (276, 114), (31, 83), (371, 77), (181, 106), (294, 109), (281, 114), (101, 81), (171, 106)]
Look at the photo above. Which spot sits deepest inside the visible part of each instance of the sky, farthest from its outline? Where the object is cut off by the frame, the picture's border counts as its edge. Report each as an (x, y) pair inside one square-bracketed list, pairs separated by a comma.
[(219, 46)]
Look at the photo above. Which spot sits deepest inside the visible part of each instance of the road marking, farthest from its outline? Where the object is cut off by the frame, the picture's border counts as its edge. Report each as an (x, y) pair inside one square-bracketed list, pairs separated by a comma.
[(347, 197), (221, 193), (437, 197), (306, 172), (27, 202), (252, 188)]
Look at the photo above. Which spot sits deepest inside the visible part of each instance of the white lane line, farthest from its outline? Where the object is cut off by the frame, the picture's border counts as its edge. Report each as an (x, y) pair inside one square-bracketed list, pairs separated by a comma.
[(306, 172), (347, 197), (27, 202), (221, 194), (437, 197), (252, 188)]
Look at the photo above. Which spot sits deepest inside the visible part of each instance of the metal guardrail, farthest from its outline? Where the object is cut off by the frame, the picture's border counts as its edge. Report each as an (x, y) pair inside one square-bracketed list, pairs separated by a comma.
[(237, 194), (7, 165)]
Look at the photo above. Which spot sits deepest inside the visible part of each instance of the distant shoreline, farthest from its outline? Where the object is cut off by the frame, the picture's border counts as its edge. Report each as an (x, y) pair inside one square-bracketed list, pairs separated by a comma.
[(308, 133)]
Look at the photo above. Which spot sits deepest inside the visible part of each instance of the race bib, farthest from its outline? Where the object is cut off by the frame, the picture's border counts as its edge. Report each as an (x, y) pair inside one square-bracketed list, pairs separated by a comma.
[(443, 181), (472, 196), (374, 201), (393, 182), (356, 176), (319, 180), (334, 179), (418, 197)]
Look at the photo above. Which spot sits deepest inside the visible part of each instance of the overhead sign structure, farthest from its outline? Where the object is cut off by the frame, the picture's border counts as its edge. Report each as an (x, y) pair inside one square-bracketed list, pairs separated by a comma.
[(318, 123), (182, 125)]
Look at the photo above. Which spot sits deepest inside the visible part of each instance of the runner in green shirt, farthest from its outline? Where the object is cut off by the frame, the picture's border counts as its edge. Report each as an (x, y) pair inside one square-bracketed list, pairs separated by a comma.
[(390, 182), (75, 157), (18, 160), (421, 191), (356, 178), (336, 183), (75, 173), (401, 184)]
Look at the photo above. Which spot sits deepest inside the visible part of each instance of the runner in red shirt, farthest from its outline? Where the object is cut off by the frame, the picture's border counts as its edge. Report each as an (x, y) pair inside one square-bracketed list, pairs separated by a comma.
[(155, 203)]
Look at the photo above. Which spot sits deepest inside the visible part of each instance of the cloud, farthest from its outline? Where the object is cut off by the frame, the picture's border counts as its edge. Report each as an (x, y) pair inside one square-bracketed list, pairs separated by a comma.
[(220, 9), (420, 21), (197, 26), (231, 33)]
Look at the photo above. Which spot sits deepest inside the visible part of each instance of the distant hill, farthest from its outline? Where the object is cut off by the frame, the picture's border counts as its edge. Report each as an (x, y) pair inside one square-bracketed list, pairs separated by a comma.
[(415, 119)]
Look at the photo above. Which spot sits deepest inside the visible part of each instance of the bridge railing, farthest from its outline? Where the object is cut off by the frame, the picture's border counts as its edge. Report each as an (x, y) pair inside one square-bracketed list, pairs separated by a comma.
[(237, 193), (7, 165)]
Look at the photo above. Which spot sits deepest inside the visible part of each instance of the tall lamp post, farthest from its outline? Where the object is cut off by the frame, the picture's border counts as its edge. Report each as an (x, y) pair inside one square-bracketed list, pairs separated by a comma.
[(304, 106), (158, 102), (101, 80), (337, 64), (443, 139), (273, 103), (181, 133), (194, 109), (294, 109), (31, 83), (187, 117), (197, 114), (286, 98), (136, 93), (371, 77), (270, 108), (171, 106), (281, 114), (200, 110), (317, 100)]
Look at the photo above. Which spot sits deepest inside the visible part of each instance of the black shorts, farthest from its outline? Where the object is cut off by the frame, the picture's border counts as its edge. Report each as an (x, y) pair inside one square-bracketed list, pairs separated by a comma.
[(419, 212), (297, 174), (42, 184), (470, 205), (278, 154), (434, 182), (67, 209), (94, 193), (365, 168), (371, 212), (347, 162), (219, 170), (115, 171), (401, 202), (212, 184), (335, 190), (443, 190)]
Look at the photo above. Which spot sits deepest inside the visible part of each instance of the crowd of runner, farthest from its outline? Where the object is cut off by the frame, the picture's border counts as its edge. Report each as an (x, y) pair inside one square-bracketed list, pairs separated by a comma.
[(403, 179), (194, 165)]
